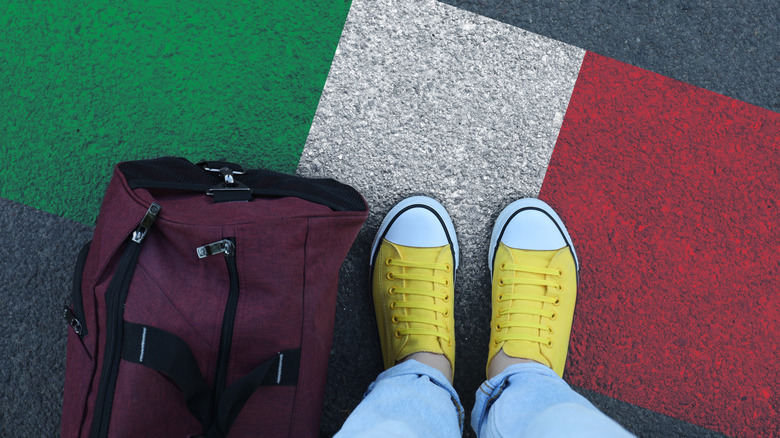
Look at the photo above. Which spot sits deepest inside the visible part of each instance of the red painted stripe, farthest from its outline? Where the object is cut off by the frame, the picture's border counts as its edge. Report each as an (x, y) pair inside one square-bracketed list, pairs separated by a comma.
[(670, 193)]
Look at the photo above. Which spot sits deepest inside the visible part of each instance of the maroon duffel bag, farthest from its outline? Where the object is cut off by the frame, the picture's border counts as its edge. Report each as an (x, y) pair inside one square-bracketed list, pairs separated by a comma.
[(204, 304)]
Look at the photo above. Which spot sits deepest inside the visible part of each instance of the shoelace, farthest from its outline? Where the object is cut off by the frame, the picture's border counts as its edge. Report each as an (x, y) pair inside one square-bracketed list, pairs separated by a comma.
[(397, 304), (525, 310)]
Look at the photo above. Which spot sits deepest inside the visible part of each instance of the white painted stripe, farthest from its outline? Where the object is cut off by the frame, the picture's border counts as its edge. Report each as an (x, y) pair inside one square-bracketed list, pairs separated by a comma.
[(143, 346), (424, 98), (279, 371)]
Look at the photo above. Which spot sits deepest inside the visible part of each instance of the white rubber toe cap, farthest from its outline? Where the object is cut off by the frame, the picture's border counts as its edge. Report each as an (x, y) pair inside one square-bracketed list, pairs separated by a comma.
[(530, 224), (532, 229), (419, 222), (417, 227)]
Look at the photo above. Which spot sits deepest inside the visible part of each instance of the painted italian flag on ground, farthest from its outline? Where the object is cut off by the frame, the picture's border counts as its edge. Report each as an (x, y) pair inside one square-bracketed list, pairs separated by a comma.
[(668, 190)]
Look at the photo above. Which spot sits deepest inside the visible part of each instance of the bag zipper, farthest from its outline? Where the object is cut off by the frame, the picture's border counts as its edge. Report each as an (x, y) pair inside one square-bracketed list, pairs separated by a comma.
[(116, 296), (228, 248), (74, 314)]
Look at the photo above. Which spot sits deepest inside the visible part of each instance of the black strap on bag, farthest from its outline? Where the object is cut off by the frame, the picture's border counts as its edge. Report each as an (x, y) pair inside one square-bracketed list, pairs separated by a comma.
[(282, 369), (169, 355)]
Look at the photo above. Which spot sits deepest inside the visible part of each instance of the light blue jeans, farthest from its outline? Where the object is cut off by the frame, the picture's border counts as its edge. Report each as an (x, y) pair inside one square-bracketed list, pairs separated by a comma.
[(526, 400)]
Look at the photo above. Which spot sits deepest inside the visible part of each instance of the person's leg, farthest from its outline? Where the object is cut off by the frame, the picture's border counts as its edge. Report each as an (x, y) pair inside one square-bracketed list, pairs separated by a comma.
[(535, 272), (413, 263)]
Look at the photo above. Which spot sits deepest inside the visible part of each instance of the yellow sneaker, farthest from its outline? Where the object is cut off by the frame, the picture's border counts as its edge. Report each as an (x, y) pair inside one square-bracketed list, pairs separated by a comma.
[(413, 263), (534, 269)]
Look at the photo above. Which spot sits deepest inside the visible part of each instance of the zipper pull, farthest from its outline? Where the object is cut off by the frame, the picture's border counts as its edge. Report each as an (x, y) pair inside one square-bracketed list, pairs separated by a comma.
[(74, 322), (225, 246), (146, 222)]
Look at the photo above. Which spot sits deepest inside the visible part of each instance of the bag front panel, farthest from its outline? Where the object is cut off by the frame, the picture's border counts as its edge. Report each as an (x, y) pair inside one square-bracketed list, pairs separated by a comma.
[(176, 291)]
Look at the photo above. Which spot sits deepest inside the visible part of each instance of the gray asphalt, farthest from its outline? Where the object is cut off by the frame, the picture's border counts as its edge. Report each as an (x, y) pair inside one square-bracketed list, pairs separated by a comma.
[(38, 255), (729, 47)]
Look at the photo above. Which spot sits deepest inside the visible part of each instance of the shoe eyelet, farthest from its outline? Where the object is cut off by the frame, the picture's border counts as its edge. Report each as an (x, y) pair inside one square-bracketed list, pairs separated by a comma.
[(501, 282), (498, 326), (446, 329), (392, 305), (398, 334), (446, 313), (448, 267), (446, 282), (500, 298), (557, 301), (554, 316), (391, 291), (495, 344), (389, 262), (549, 343), (395, 319), (446, 298), (550, 330), (560, 273), (503, 266), (390, 276)]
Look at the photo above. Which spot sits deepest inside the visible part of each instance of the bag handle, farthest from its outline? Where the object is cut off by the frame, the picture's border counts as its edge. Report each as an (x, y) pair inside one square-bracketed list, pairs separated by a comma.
[(281, 369), (215, 166)]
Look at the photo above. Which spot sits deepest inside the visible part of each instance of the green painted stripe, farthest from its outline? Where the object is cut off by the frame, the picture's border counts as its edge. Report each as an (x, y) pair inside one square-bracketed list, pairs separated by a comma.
[(84, 85)]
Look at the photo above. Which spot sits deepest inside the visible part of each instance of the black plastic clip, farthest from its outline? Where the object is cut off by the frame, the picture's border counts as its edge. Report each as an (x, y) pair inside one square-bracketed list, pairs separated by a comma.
[(230, 189)]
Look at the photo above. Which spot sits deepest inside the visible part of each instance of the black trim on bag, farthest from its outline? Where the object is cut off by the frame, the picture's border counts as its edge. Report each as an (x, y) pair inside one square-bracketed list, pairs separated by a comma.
[(115, 298), (228, 321), (179, 174), (116, 295)]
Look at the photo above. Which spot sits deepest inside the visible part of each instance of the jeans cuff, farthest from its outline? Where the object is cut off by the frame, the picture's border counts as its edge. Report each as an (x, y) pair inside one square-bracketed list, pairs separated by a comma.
[(412, 367), (491, 389)]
